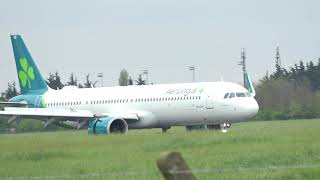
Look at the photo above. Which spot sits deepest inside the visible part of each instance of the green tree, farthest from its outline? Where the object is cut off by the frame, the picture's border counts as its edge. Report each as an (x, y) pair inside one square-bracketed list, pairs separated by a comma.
[(50, 80), (10, 92), (59, 84), (1, 106), (89, 83), (72, 80), (54, 81), (140, 81), (130, 81), (123, 78)]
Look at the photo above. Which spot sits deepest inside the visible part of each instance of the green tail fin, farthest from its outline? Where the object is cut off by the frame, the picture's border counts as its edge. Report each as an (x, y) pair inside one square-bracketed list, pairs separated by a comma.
[(30, 79), (248, 85)]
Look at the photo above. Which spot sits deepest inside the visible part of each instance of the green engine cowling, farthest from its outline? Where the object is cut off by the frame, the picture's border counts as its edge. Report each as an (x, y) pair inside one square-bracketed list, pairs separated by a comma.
[(107, 125)]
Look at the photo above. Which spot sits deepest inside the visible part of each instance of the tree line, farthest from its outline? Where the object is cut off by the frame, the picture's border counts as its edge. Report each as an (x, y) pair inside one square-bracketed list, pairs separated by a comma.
[(286, 93), (54, 82), (290, 93)]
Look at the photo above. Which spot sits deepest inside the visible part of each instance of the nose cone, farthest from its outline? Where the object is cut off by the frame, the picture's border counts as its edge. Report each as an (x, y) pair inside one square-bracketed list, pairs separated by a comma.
[(252, 108)]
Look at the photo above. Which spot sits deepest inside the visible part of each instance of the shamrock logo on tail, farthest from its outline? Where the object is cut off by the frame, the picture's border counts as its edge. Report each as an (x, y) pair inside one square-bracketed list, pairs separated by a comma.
[(26, 74)]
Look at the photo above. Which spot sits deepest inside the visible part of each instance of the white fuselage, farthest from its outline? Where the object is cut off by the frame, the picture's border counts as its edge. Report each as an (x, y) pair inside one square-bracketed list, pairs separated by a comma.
[(162, 105)]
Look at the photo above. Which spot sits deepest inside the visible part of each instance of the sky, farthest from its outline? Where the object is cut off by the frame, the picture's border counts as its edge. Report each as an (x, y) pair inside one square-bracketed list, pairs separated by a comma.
[(163, 36)]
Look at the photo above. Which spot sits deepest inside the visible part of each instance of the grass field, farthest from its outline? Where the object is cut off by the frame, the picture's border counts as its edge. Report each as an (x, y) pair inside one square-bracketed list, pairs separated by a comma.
[(252, 150)]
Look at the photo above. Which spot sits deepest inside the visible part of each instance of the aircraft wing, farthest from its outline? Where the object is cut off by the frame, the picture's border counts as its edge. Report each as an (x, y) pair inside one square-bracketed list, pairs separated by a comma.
[(14, 104), (127, 116), (45, 112), (47, 115), (131, 116), (51, 115)]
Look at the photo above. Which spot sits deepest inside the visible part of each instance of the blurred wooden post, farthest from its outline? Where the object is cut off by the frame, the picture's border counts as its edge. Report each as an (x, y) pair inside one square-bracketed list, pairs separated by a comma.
[(173, 167)]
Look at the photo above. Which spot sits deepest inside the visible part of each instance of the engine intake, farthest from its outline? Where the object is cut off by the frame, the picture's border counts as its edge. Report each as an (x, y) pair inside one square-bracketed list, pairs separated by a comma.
[(107, 125)]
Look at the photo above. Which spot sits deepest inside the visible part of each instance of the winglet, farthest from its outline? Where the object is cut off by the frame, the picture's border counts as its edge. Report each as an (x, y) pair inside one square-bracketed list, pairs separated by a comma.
[(248, 84)]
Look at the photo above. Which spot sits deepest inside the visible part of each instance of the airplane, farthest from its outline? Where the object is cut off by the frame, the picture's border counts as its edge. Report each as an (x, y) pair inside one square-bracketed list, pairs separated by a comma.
[(108, 110)]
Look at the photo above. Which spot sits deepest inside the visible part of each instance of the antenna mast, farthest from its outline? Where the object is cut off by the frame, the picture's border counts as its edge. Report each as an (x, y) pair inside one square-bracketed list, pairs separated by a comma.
[(278, 60), (100, 75), (243, 64)]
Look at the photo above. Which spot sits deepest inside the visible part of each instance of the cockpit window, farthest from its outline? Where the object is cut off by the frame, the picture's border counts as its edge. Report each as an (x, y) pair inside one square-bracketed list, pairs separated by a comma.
[(240, 94), (226, 96), (231, 95)]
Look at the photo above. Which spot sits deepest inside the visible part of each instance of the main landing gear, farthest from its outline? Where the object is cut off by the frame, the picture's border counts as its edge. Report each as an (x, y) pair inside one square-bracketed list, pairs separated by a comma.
[(223, 127), (165, 129), (196, 127)]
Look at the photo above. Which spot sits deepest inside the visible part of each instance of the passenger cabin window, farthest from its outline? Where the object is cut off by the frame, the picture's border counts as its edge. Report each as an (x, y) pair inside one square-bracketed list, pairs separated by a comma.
[(231, 95), (248, 94)]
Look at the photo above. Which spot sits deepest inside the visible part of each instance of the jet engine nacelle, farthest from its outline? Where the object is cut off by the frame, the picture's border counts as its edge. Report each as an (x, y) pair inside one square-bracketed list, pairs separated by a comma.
[(107, 125)]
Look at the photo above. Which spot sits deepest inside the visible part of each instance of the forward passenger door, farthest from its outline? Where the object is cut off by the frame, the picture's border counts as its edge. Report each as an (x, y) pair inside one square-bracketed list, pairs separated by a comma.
[(209, 102)]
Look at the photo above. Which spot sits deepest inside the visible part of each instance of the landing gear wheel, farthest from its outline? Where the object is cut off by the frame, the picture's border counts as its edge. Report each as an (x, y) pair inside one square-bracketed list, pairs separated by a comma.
[(228, 125), (214, 127), (164, 130), (196, 127), (223, 127), (189, 128)]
